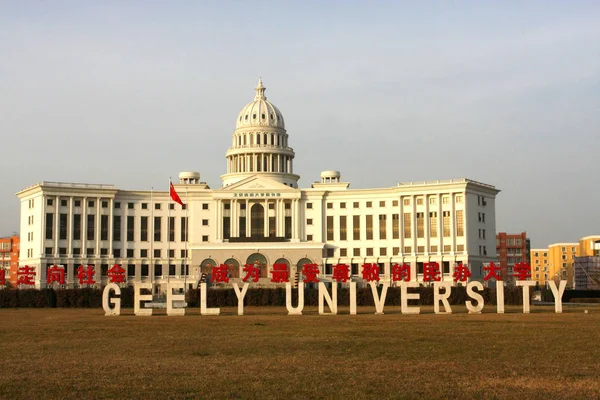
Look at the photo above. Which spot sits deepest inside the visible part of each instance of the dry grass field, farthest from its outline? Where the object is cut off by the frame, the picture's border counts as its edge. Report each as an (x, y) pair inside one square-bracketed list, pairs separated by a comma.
[(80, 354)]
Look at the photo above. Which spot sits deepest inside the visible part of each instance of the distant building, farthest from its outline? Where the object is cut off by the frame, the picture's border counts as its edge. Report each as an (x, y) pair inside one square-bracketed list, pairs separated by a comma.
[(9, 257), (587, 273), (511, 248), (556, 262)]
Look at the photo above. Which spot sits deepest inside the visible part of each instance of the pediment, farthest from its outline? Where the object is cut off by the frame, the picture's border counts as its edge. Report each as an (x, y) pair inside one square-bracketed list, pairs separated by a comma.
[(256, 183)]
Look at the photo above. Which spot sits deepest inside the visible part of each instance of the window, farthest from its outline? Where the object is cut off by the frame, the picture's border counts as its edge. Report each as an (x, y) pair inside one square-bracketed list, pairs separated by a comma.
[(395, 226), (204, 222), (407, 225), (355, 204), (62, 226), (157, 229), (116, 228), (445, 200), (91, 203), (433, 249), (144, 229), (433, 224), (129, 253), (143, 253), (104, 227), (144, 206), (157, 206), (406, 201), (369, 204), (356, 252), (447, 248), (63, 203), (420, 249), (145, 271), (171, 253), (171, 206), (103, 252), (446, 223), (420, 225), (130, 206), (309, 238), (117, 205), (309, 205), (460, 227), (395, 251), (184, 229), (205, 238), (171, 229), (343, 231), (432, 200), (156, 253), (48, 203), (369, 251), (419, 201), (77, 203), (483, 218), (383, 251), (130, 229), (91, 219), (48, 251), (90, 252), (104, 204), (329, 227), (460, 247), (329, 253), (329, 205), (369, 227), (76, 251), (205, 206), (356, 227), (459, 198), (343, 252), (382, 226), (342, 205), (382, 203), (49, 224), (117, 253)]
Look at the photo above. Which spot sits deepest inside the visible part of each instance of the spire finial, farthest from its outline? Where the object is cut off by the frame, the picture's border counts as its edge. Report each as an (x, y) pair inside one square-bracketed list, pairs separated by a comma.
[(260, 90)]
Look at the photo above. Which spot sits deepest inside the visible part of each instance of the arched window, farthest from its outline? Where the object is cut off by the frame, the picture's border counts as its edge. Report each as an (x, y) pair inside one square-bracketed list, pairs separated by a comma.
[(244, 140), (257, 215), (265, 139), (300, 265), (260, 261), (234, 267), (272, 137), (207, 265), (286, 262), (258, 139)]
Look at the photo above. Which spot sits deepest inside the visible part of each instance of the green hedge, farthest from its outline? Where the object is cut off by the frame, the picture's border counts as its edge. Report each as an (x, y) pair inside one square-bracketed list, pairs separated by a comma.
[(92, 298)]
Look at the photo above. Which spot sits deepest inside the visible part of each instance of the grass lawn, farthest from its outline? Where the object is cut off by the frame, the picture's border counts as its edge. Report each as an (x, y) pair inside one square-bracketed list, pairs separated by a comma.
[(80, 353)]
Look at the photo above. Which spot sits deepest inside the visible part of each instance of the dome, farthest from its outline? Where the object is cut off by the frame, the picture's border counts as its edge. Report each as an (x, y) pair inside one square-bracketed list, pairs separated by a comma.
[(260, 112)]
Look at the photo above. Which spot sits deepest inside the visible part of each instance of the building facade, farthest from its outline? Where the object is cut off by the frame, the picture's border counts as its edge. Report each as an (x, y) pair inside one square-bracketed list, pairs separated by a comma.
[(259, 216), (9, 257), (512, 248)]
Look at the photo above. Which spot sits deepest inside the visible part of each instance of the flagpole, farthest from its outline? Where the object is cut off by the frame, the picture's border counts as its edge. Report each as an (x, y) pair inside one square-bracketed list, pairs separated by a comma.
[(169, 235), (152, 273), (185, 266)]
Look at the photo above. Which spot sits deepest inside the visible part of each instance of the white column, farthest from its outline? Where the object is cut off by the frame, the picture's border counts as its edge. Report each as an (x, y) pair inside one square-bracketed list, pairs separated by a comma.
[(233, 208), (43, 232), (97, 233), (266, 218), (70, 228), (294, 219), (84, 207), (110, 227), (248, 226), (219, 221), (56, 224)]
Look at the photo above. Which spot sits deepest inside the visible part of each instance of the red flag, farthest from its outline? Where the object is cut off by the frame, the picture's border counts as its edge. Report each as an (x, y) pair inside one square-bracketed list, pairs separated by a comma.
[(174, 194)]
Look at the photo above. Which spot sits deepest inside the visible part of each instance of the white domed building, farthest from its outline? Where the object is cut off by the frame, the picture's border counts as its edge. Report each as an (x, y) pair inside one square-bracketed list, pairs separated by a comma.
[(259, 216)]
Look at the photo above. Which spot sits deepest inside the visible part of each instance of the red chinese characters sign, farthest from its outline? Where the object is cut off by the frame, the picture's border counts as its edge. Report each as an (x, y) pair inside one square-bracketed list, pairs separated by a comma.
[(2, 277), (25, 275), (341, 273), (55, 274), (116, 274), (85, 275), (252, 272)]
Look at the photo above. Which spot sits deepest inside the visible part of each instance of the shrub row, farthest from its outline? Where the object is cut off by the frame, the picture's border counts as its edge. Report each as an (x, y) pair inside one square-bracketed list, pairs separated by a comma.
[(572, 296), (92, 298), (584, 300)]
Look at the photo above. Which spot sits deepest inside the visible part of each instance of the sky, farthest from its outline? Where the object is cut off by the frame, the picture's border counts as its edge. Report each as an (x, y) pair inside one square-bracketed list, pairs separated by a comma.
[(132, 93)]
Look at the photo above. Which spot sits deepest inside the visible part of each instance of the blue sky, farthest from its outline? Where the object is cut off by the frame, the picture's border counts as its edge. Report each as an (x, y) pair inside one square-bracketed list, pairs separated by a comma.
[(130, 93)]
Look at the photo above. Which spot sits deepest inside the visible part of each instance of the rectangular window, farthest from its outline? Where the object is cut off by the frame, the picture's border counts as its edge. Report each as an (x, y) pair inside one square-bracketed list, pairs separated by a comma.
[(406, 201), (329, 227), (130, 269), (356, 252), (329, 205), (419, 201), (309, 205), (63, 203), (77, 203), (226, 227), (48, 203), (342, 205), (49, 225), (460, 247), (117, 205), (432, 200), (104, 227), (62, 226), (91, 203), (205, 238), (309, 238), (130, 229), (117, 253), (446, 223), (103, 252), (447, 248), (130, 253), (130, 206), (395, 226), (396, 251), (90, 252), (242, 226), (204, 222), (116, 228), (407, 226), (356, 227), (445, 200), (91, 220), (48, 251), (383, 251), (272, 226), (382, 226), (145, 270), (144, 206), (460, 223), (355, 204), (420, 249), (288, 227), (157, 253), (369, 224), (144, 229), (105, 204), (420, 225), (395, 203), (144, 253), (157, 206), (419, 267), (309, 221), (76, 251), (343, 230), (205, 206), (433, 223), (184, 230), (433, 249), (382, 203), (369, 204), (343, 252), (369, 252), (157, 229)]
